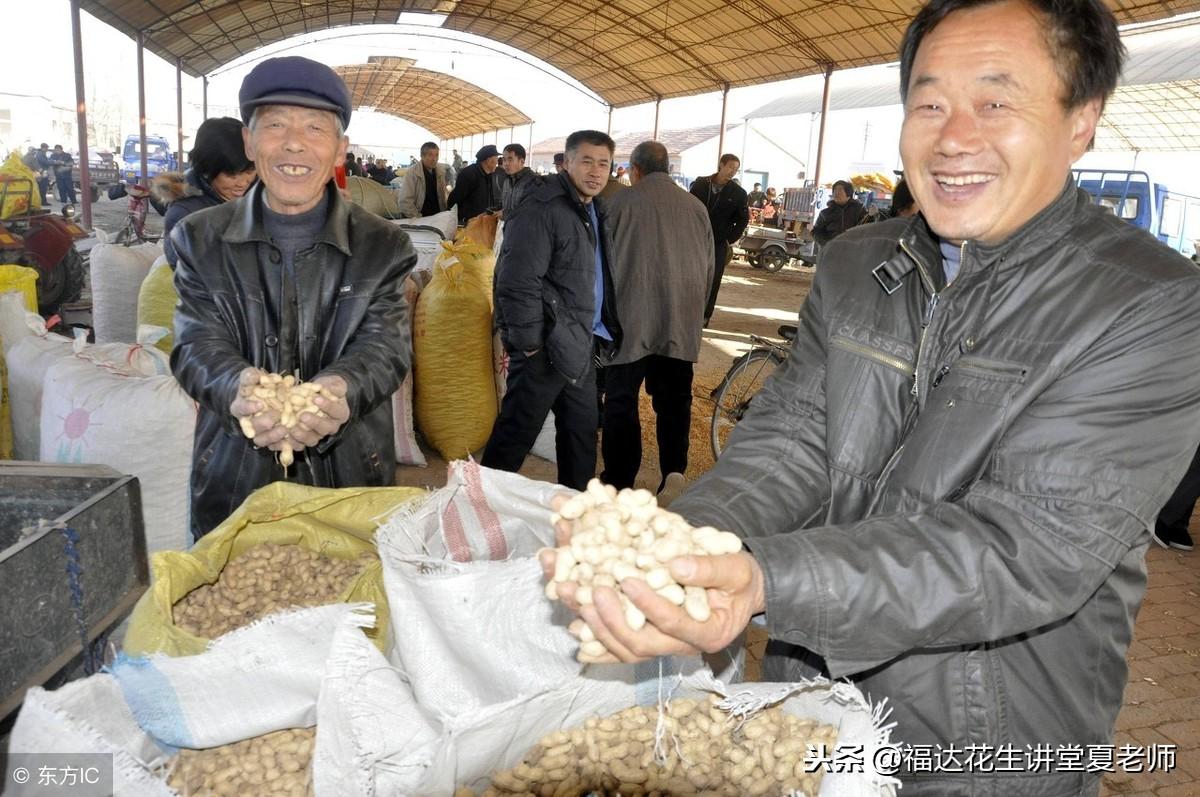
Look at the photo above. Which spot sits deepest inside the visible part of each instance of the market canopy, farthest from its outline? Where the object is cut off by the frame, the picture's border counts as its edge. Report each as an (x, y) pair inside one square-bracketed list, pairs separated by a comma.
[(626, 51), (442, 104), (1156, 107)]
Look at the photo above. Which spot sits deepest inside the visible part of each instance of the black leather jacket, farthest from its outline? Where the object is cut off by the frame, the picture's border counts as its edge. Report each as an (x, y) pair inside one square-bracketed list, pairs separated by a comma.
[(342, 313), (546, 278)]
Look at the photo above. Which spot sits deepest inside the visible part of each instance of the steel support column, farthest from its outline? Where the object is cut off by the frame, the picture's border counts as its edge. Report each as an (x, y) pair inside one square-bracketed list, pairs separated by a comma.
[(85, 187), (724, 110), (657, 107), (821, 130), (179, 109), (141, 74)]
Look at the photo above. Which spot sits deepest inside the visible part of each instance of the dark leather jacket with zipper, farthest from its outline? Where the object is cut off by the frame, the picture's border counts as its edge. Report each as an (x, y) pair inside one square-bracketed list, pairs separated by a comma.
[(342, 313), (546, 278), (949, 488)]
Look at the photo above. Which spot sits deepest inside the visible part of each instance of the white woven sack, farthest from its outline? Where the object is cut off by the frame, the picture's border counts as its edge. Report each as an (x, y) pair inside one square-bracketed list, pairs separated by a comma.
[(472, 625), (372, 737), (27, 363), (544, 445), (117, 273), (258, 679), (469, 631), (86, 716), (98, 411), (427, 233), (14, 326)]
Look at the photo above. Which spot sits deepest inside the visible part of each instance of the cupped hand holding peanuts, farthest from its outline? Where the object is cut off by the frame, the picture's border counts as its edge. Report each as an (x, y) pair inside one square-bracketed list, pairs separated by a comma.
[(254, 415), (692, 603), (282, 414), (335, 411)]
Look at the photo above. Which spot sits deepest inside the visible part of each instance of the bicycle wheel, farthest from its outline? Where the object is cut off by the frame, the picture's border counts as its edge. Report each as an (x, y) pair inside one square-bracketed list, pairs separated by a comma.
[(733, 396)]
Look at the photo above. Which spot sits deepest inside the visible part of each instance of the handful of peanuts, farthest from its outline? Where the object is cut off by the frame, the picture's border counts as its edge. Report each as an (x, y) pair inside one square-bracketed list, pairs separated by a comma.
[(704, 751), (265, 579), (274, 763), (620, 535), (284, 395)]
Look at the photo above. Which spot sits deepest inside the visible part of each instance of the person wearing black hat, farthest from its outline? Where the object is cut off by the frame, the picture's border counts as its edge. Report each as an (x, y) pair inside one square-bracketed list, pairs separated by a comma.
[(219, 172), (475, 191), (290, 279)]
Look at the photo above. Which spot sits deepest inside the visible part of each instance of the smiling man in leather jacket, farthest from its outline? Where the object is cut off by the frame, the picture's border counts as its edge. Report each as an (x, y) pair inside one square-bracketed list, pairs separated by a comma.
[(946, 491), (290, 279), (556, 312)]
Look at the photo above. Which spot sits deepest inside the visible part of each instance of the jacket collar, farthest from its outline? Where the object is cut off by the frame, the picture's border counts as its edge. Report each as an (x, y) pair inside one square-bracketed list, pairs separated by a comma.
[(246, 225), (1046, 228)]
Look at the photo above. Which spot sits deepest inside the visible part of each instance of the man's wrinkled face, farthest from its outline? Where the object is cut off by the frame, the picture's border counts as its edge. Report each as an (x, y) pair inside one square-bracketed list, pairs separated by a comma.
[(589, 167), (429, 157), (840, 197), (987, 142), (513, 164), (294, 150), (489, 164)]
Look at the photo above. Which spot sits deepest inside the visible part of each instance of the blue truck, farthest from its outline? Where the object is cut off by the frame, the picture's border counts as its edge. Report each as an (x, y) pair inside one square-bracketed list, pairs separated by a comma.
[(1172, 217), (159, 159)]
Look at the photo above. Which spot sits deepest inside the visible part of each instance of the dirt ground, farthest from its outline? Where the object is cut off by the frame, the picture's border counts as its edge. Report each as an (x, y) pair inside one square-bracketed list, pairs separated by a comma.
[(751, 301)]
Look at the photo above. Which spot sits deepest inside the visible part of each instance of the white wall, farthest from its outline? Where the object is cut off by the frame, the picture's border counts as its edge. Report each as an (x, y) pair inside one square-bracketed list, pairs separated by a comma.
[(32, 120), (855, 141)]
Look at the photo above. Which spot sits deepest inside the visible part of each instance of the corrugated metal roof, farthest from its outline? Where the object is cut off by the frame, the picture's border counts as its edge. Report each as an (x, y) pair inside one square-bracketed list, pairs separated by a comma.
[(1156, 107), (626, 51), (444, 105)]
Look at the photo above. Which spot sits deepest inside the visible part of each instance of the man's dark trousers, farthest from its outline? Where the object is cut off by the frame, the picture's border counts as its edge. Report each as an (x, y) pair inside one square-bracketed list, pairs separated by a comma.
[(534, 388), (1177, 512), (723, 252), (669, 383), (66, 188)]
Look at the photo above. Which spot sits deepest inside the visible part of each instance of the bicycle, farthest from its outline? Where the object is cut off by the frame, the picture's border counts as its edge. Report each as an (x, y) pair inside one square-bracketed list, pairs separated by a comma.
[(732, 397), (134, 230)]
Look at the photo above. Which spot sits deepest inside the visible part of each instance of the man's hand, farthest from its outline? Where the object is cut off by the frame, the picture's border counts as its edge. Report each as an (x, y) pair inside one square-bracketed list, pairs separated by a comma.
[(268, 432), (311, 428), (735, 590)]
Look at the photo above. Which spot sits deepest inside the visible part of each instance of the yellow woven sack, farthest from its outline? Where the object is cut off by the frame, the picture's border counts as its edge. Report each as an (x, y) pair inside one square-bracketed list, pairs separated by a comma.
[(23, 195), (338, 523), (23, 280), (156, 304), (452, 351)]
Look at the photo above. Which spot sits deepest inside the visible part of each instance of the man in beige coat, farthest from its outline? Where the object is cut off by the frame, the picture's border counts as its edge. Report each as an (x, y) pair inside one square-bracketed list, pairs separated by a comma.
[(423, 192), (662, 266)]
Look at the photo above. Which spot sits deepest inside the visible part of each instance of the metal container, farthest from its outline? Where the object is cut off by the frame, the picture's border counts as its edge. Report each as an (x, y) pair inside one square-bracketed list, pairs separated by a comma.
[(72, 563)]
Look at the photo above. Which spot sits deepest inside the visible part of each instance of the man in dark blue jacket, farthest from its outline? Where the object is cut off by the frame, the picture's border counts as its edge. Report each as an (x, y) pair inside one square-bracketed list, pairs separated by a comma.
[(555, 310)]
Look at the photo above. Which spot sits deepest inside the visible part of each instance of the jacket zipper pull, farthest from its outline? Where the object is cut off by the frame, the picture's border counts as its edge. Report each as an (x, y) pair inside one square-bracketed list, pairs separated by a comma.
[(941, 374)]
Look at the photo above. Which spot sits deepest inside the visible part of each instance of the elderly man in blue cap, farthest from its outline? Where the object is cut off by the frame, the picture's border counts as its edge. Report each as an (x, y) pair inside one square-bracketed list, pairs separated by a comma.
[(290, 279)]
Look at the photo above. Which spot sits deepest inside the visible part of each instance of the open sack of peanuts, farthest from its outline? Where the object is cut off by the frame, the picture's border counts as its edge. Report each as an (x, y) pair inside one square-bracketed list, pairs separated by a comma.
[(476, 685)]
